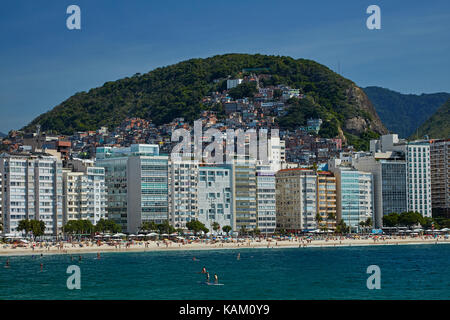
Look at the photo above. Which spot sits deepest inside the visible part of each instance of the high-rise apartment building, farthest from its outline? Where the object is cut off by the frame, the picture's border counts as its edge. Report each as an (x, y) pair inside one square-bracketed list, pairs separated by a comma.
[(418, 169), (266, 199), (440, 177), (32, 189), (136, 178), (354, 194), (390, 192), (296, 199), (84, 192), (326, 200), (244, 195), (215, 195), (183, 192)]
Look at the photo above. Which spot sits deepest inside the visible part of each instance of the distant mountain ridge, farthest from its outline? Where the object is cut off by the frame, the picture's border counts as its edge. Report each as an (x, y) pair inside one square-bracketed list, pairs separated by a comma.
[(404, 113), (437, 126)]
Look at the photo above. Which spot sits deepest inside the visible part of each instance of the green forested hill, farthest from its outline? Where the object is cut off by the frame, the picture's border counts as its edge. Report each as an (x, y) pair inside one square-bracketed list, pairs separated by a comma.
[(176, 91), (404, 113), (438, 125)]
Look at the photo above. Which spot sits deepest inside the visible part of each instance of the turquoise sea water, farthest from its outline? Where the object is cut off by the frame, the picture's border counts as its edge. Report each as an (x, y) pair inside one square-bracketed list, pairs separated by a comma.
[(407, 272)]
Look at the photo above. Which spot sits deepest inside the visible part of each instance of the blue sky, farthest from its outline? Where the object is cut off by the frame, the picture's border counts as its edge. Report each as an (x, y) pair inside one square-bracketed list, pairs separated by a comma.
[(42, 63)]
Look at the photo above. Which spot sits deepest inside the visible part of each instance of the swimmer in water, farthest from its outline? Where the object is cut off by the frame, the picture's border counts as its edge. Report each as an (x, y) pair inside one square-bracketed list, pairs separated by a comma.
[(79, 258), (239, 256), (7, 263), (203, 270), (216, 279), (207, 277), (194, 259), (42, 266), (98, 255)]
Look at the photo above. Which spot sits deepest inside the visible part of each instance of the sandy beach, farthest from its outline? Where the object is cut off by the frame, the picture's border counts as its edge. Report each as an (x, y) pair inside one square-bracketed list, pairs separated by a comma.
[(143, 246)]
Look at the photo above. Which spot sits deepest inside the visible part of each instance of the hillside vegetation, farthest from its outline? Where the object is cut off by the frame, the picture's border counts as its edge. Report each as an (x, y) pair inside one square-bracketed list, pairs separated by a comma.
[(176, 91)]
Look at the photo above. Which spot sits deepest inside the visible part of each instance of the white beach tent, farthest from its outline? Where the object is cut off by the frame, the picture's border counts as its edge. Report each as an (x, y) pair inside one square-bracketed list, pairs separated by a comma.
[(152, 234), (119, 235)]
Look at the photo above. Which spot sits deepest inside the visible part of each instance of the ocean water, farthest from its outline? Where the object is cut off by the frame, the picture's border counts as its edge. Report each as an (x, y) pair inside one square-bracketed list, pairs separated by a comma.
[(407, 272)]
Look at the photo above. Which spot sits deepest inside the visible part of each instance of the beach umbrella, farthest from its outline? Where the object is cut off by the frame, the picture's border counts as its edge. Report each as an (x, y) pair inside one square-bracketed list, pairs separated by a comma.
[(118, 235), (445, 229), (132, 235), (174, 234), (164, 235)]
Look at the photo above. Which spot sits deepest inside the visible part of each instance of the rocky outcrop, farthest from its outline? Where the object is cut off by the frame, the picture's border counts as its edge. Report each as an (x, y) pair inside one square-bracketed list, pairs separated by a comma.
[(358, 125)]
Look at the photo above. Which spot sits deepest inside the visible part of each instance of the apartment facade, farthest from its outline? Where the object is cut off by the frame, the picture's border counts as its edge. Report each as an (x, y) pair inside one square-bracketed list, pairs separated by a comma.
[(326, 200), (136, 178), (419, 177), (440, 175), (31, 189), (390, 192), (266, 199), (418, 171), (183, 192), (354, 194), (296, 199), (84, 194), (244, 193), (215, 195)]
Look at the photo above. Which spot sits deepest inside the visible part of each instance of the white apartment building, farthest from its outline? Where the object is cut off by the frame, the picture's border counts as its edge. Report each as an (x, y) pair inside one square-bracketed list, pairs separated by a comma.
[(276, 153), (231, 83), (84, 193), (183, 192), (215, 195), (32, 189), (266, 199)]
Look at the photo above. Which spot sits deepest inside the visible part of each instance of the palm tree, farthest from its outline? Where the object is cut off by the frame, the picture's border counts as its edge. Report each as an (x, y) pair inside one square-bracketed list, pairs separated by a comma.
[(227, 229), (215, 226), (319, 219)]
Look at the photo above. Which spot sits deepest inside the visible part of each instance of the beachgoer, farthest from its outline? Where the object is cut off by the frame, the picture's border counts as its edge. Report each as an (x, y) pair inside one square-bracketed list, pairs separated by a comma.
[(239, 256), (204, 270), (7, 263), (216, 278), (207, 276)]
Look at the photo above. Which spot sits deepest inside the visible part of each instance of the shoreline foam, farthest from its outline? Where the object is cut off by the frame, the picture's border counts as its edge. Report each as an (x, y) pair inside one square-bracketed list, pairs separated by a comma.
[(153, 247)]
